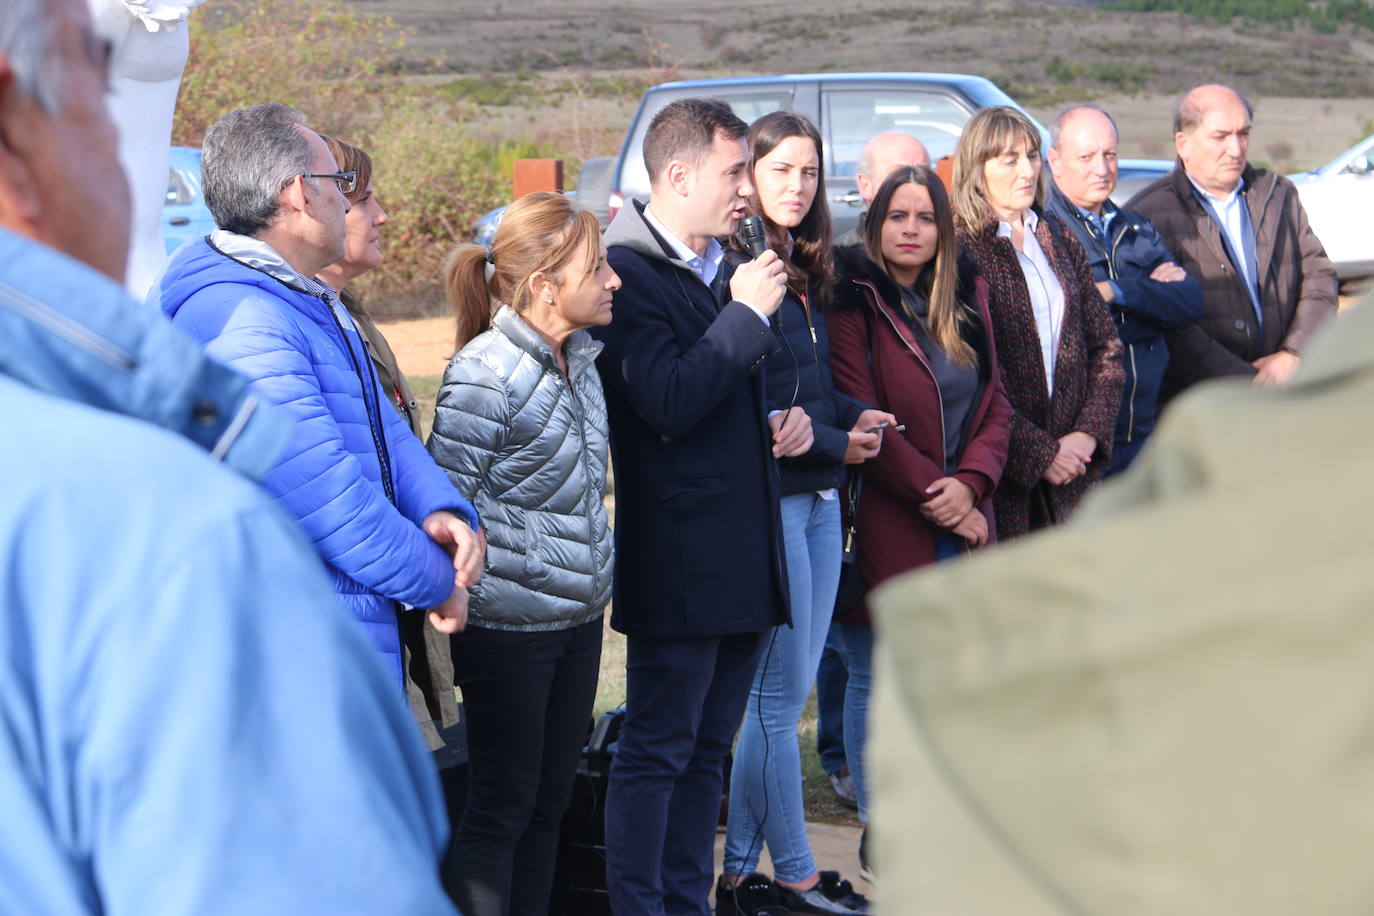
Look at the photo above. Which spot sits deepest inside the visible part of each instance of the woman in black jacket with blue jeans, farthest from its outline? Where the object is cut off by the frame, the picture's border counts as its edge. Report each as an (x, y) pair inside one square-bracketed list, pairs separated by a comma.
[(765, 785)]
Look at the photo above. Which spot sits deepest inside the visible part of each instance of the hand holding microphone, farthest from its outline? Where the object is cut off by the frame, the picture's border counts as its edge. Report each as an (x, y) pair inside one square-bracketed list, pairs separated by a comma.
[(761, 282)]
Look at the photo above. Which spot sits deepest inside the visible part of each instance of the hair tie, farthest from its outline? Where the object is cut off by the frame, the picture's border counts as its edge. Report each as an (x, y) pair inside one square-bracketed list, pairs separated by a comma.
[(490, 260)]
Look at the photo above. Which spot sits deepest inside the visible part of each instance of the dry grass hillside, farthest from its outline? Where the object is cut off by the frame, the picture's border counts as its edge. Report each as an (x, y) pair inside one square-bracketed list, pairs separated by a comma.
[(585, 63), (446, 95)]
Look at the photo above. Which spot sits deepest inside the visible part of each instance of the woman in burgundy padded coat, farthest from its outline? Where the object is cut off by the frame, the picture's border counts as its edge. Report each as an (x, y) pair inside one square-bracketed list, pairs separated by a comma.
[(910, 333)]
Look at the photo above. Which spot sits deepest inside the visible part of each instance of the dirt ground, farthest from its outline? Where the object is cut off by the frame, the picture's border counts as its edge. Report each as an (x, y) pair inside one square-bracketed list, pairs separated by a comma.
[(423, 346)]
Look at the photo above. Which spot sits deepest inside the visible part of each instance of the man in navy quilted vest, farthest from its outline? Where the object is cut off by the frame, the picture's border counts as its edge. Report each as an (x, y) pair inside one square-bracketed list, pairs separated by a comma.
[(392, 530)]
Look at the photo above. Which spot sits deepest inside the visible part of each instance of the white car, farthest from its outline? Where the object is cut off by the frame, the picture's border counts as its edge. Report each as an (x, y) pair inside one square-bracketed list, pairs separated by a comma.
[(1338, 198)]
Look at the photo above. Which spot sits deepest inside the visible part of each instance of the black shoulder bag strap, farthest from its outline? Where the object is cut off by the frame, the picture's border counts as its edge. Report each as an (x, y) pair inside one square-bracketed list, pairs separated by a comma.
[(856, 478)]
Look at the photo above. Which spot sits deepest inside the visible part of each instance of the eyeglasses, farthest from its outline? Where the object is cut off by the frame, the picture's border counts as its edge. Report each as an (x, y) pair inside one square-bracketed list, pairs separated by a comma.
[(346, 181)]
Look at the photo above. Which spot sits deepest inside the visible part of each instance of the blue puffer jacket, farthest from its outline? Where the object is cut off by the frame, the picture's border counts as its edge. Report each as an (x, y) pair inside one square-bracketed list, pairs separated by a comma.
[(1147, 308), (295, 352)]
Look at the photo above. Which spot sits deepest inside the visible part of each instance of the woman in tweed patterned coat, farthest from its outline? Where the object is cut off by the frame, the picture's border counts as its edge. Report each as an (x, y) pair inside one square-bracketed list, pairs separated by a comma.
[(1059, 353)]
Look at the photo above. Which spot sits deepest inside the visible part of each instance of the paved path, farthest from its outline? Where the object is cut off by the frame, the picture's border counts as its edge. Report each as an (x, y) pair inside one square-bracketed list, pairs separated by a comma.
[(835, 846)]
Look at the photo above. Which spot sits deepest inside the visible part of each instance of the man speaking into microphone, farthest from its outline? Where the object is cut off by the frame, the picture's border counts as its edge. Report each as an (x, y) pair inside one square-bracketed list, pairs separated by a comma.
[(700, 575)]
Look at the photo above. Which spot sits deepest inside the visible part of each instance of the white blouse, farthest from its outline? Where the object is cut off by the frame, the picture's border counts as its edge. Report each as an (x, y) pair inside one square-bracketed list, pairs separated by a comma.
[(1046, 295)]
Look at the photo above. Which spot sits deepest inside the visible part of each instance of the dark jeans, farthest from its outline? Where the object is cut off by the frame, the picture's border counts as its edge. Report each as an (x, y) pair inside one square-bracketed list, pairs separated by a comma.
[(949, 547), (831, 678), (527, 702), (684, 701)]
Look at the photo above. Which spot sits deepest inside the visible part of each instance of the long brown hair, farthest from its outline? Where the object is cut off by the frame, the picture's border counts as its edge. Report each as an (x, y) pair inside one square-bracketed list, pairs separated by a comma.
[(987, 135), (540, 232), (938, 280), (812, 259)]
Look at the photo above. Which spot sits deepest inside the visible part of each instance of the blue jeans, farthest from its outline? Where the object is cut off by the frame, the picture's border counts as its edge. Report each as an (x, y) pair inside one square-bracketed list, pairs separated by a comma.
[(856, 647), (830, 685), (765, 781)]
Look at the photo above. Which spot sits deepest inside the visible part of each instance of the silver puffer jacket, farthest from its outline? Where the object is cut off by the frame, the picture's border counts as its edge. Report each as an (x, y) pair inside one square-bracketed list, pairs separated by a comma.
[(528, 447)]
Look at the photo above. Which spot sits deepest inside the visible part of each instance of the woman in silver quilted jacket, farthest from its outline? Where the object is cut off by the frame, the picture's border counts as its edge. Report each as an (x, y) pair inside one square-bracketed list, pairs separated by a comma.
[(521, 428)]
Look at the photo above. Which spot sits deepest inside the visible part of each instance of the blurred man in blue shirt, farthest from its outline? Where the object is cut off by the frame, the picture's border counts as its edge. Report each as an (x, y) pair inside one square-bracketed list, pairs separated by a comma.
[(164, 745)]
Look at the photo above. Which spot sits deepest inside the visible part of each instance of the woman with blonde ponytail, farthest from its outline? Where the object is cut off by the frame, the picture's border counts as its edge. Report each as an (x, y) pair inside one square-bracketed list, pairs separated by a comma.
[(521, 428)]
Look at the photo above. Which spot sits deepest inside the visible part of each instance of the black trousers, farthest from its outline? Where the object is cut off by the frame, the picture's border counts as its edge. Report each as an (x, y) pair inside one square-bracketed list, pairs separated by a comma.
[(527, 701), (684, 702)]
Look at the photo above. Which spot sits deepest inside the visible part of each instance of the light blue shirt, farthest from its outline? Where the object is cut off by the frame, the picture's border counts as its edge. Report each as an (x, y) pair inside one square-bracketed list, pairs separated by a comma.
[(705, 267), (192, 722), (1233, 217), (1046, 295)]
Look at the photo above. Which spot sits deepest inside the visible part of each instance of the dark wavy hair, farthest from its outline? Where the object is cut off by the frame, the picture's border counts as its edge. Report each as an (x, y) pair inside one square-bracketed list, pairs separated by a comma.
[(938, 280), (812, 261), (685, 130)]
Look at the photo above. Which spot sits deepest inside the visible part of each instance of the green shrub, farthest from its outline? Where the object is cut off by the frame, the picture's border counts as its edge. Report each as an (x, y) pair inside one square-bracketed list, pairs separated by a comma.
[(432, 172), (320, 56)]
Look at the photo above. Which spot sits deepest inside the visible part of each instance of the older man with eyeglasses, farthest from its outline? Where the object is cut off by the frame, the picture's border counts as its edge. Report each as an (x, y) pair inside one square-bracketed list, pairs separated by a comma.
[(389, 526)]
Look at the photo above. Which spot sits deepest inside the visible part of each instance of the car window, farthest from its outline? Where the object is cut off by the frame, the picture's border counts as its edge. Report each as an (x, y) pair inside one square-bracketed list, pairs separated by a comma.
[(854, 116), (755, 105), (178, 191), (750, 103)]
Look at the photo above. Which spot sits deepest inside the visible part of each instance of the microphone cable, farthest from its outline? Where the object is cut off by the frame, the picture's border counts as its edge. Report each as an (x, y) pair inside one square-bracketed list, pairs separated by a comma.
[(755, 841), (755, 846)]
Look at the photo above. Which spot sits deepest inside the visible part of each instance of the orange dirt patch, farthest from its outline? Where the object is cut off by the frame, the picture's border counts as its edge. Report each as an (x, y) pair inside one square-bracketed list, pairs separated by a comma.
[(422, 346)]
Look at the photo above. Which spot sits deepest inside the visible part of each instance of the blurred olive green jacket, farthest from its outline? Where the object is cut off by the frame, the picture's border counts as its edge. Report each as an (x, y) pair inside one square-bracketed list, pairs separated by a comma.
[(1166, 706)]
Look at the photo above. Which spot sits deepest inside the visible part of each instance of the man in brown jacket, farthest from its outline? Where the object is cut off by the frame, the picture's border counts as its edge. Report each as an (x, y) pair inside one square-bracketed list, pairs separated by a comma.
[(1242, 232)]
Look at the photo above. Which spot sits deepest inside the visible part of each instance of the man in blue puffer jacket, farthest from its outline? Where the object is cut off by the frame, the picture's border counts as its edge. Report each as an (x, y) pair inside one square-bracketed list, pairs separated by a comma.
[(385, 519), (1146, 290)]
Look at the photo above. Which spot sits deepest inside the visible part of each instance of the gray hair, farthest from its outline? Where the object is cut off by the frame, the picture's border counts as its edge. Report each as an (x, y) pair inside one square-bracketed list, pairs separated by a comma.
[(1057, 125), (1188, 114), (25, 33), (248, 157)]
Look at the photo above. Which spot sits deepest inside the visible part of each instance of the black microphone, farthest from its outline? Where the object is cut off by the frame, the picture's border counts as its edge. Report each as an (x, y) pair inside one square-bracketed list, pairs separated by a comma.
[(752, 235), (755, 240)]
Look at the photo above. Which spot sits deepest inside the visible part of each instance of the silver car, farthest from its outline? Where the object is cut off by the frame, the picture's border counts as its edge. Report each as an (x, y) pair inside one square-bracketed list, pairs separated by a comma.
[(849, 109)]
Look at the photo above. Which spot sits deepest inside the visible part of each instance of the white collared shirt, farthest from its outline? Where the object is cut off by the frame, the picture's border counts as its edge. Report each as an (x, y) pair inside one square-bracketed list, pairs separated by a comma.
[(1233, 218), (1046, 295), (704, 266)]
